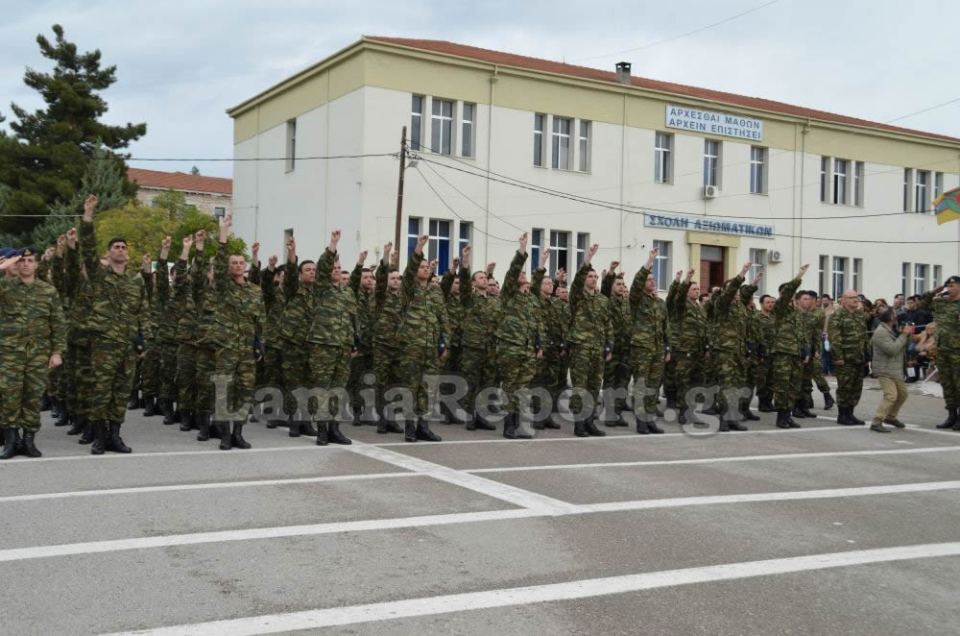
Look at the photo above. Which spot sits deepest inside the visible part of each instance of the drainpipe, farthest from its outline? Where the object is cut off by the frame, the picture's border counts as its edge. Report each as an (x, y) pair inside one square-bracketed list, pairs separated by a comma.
[(486, 208)]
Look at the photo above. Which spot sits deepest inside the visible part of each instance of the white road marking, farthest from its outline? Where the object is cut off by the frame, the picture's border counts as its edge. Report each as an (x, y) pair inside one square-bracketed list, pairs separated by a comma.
[(138, 490), (570, 590), (504, 492), (116, 545), (914, 427), (719, 460), (214, 452)]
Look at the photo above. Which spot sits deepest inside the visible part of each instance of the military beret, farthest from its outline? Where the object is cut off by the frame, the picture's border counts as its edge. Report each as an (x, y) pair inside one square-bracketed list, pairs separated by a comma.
[(7, 252), (28, 251), (953, 279)]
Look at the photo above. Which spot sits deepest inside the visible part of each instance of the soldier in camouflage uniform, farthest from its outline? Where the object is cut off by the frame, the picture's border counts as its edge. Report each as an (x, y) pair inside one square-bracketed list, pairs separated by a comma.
[(300, 306), (944, 303), (423, 332), (790, 351), (79, 373), (272, 371), (728, 349), (117, 304), (616, 371), (165, 343), (848, 344), (479, 321), (32, 339), (237, 322), (362, 283), (688, 341), (331, 341), (763, 328), (179, 322), (649, 346), (387, 306), (591, 345), (556, 323), (813, 321), (59, 377), (204, 363), (147, 376)]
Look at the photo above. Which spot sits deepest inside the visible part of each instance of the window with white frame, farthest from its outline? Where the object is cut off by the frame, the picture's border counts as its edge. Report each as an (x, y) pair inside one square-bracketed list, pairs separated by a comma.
[(661, 264), (539, 125), (416, 122), (823, 273), (584, 148), (858, 184), (937, 184), (441, 126), (907, 189), (561, 142), (920, 278), (560, 248), (663, 158), (937, 277), (583, 244), (711, 162), (413, 233), (921, 192), (857, 278), (468, 112), (825, 179), (438, 247), (905, 278), (839, 275), (466, 237), (758, 170), (840, 181), (536, 244), (291, 156), (758, 262)]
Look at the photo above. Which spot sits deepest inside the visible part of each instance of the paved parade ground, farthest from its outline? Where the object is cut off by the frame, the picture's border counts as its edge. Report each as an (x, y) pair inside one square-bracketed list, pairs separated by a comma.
[(825, 529)]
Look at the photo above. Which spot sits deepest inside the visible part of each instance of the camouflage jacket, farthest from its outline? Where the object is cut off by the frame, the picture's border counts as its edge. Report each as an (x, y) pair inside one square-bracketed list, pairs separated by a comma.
[(455, 309), (387, 306), (517, 322), (589, 314), (422, 314), (848, 335), (479, 314), (31, 319), (620, 319), (729, 319), (273, 304), (299, 306), (762, 331), (813, 322), (117, 300), (166, 324), (238, 313), (946, 313), (183, 310), (688, 321), (79, 295), (334, 320), (365, 307), (649, 313), (788, 336)]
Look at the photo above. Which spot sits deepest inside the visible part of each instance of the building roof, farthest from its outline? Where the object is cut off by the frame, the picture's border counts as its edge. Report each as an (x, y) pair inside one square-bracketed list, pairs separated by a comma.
[(180, 181), (501, 58)]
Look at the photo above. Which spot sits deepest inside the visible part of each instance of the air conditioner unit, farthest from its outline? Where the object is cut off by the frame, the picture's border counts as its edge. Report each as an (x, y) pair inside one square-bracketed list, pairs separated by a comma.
[(711, 192), (774, 256)]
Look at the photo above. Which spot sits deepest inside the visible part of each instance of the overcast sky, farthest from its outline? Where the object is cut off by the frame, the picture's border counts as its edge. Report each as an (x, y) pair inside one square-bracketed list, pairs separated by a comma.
[(180, 65)]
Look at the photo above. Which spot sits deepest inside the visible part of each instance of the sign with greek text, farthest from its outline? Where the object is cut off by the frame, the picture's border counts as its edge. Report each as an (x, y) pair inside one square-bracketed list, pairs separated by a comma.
[(708, 122)]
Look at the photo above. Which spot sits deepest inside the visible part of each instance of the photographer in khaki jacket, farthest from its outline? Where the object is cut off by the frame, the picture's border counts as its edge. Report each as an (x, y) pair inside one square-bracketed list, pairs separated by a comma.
[(888, 351)]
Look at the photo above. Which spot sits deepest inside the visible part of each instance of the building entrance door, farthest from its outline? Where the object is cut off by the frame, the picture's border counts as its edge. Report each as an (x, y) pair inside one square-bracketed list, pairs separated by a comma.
[(712, 266)]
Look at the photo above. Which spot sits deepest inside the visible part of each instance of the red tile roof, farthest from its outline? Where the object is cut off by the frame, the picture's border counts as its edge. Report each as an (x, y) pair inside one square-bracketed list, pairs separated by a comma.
[(180, 181), (536, 64)]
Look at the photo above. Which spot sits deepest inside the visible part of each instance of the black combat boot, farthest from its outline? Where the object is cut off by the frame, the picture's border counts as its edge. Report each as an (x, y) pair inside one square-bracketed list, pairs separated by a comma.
[(29, 448), (643, 423), (424, 433), (226, 443), (951, 420), (62, 418), (805, 406), (482, 424), (509, 426), (134, 401), (295, 427), (150, 406), (745, 410), (828, 401), (766, 406), (334, 436), (236, 438), (76, 425), (652, 426), (100, 433), (322, 437), (166, 407), (188, 422), (203, 427), (308, 429), (798, 410), (177, 416), (55, 409), (519, 430), (783, 419), (115, 442), (86, 435), (11, 442), (386, 425), (736, 425), (592, 429), (842, 418), (853, 418), (409, 431)]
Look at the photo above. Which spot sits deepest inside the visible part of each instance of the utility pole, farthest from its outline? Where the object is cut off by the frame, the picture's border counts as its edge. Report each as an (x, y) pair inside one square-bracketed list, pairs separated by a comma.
[(403, 166)]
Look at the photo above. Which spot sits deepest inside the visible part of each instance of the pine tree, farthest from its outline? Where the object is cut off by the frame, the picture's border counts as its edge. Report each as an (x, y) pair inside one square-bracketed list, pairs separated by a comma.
[(45, 159)]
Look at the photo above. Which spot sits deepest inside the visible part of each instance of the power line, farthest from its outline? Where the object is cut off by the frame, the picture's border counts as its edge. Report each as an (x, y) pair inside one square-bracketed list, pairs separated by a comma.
[(251, 159), (454, 212), (924, 110)]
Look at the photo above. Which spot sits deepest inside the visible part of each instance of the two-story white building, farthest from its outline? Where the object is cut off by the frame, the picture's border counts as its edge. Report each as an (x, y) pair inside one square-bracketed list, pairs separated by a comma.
[(501, 144)]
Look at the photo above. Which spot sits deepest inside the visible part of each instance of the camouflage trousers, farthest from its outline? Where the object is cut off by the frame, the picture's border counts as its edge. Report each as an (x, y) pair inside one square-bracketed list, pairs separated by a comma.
[(616, 376), (586, 374), (551, 374), (688, 374), (948, 364), (24, 371), (473, 361), (238, 366), (670, 378), (168, 371), (186, 377), (413, 363), (384, 369), (272, 367), (518, 364), (150, 371), (295, 370), (204, 369), (731, 377), (786, 380), (647, 367), (813, 374), (360, 365), (329, 369), (764, 378), (113, 365), (849, 382), (79, 374)]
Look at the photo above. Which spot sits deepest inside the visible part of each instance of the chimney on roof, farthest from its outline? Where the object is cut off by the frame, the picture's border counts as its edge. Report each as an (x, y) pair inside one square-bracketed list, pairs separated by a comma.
[(623, 72)]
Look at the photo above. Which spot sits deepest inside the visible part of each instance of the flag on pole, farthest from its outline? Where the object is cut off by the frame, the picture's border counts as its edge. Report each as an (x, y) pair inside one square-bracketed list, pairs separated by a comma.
[(947, 206)]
